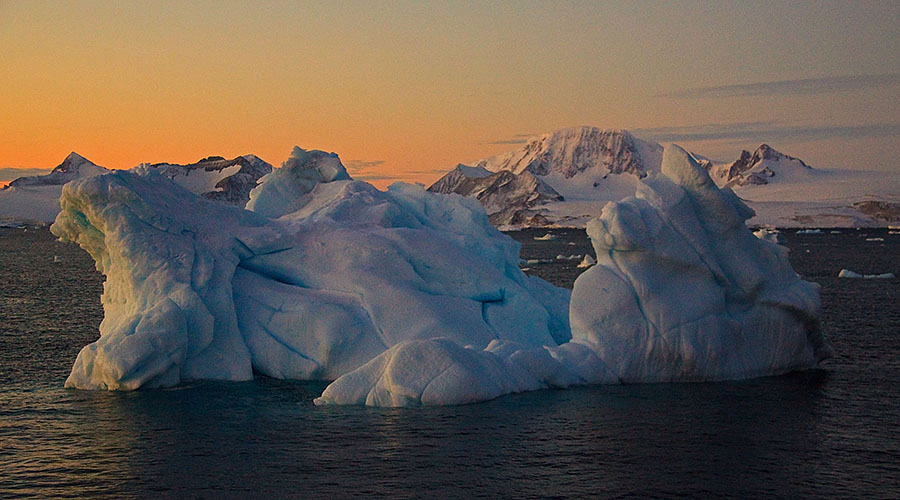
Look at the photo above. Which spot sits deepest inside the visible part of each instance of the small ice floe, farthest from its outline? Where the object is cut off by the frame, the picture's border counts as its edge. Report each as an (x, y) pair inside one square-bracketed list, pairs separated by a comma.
[(846, 273), (809, 231), (587, 262), (835, 232), (768, 234), (874, 239), (56, 258), (893, 232), (546, 237), (568, 257)]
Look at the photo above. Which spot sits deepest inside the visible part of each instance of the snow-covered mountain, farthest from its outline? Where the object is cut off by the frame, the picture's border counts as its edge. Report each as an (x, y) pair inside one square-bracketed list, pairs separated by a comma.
[(73, 167), (586, 167), (564, 168), (216, 178), (759, 168), (572, 151), (505, 195), (36, 198)]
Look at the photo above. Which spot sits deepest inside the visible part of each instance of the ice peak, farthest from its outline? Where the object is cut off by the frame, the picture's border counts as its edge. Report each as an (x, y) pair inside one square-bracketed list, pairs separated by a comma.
[(316, 165), (282, 190), (73, 156)]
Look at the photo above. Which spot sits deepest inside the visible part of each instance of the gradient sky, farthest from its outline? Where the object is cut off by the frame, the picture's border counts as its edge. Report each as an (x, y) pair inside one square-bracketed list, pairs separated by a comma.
[(405, 90)]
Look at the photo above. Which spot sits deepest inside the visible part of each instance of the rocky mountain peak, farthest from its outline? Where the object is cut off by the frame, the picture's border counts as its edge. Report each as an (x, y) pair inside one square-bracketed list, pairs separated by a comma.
[(571, 151)]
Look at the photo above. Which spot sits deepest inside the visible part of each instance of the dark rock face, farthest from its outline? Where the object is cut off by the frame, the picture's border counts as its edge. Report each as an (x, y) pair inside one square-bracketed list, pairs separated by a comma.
[(511, 185), (507, 197), (740, 173), (572, 151), (459, 180), (233, 189), (880, 210)]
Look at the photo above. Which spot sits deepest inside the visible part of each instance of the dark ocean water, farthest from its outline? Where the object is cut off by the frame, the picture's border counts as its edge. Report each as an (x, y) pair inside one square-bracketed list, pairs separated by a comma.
[(832, 432)]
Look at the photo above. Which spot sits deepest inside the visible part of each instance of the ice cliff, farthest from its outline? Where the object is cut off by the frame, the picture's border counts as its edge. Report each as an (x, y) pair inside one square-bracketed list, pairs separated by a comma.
[(407, 298), (682, 290)]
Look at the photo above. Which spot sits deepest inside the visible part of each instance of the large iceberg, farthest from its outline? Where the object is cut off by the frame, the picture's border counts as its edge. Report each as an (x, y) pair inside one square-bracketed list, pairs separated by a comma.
[(201, 290), (405, 298)]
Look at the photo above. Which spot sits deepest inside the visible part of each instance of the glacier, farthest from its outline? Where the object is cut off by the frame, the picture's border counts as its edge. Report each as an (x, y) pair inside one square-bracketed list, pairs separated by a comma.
[(408, 298)]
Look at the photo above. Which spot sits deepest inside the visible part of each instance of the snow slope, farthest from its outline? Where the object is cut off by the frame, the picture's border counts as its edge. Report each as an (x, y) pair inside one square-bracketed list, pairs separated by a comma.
[(36, 198), (408, 298)]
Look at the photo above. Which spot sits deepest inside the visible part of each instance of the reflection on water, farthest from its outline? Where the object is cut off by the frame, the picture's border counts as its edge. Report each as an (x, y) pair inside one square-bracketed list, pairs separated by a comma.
[(821, 433)]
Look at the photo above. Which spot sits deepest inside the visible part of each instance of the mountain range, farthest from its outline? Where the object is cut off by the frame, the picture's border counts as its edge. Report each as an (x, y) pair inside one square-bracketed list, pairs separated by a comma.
[(36, 198), (564, 178)]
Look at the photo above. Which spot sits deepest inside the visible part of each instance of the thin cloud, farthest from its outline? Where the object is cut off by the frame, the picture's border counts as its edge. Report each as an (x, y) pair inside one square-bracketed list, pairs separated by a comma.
[(363, 164), (805, 86), (13, 173), (428, 171), (515, 139), (367, 170), (765, 131)]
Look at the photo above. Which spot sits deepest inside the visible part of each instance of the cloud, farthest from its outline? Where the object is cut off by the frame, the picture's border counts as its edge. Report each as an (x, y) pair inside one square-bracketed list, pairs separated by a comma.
[(361, 165), (509, 141), (13, 173), (367, 170), (515, 139), (428, 171), (364, 169), (806, 86), (765, 131)]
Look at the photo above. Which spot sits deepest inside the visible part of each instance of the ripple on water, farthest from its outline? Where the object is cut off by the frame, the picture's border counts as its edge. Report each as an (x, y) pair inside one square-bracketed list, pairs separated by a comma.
[(823, 433)]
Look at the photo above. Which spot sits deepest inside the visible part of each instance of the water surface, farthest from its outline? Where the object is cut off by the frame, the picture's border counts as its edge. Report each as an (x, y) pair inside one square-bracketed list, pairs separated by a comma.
[(831, 432)]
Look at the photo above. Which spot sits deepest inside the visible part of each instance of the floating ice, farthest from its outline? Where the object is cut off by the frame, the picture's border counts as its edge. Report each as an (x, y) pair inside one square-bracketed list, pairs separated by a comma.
[(546, 237), (587, 262), (846, 273), (813, 231), (407, 298), (768, 234)]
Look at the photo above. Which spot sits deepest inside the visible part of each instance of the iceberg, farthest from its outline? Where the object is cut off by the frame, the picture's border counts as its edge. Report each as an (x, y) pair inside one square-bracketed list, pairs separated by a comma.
[(201, 290), (683, 291), (408, 298)]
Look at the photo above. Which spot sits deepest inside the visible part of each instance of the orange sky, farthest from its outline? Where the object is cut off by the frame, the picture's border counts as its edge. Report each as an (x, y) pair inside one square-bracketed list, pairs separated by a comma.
[(405, 90)]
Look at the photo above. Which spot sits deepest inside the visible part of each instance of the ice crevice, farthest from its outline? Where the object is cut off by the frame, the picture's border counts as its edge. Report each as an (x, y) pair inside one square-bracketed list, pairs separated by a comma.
[(409, 298)]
